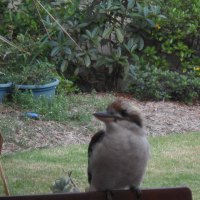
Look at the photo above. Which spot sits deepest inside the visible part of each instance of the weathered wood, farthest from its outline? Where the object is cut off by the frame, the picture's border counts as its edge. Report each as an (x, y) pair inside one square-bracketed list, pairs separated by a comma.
[(182, 193), (2, 175), (1, 143)]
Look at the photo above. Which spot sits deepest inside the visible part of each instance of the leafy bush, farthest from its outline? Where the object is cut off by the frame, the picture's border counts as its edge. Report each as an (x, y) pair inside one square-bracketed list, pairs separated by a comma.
[(107, 35), (26, 16), (176, 39), (26, 56), (19, 17), (171, 55), (151, 83), (28, 66), (66, 86)]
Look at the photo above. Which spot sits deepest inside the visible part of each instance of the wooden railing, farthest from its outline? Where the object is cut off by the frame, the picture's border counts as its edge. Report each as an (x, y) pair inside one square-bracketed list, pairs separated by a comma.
[(180, 193)]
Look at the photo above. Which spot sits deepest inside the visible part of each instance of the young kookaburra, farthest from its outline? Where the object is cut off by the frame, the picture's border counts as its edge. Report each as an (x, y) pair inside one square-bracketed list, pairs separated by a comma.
[(117, 157)]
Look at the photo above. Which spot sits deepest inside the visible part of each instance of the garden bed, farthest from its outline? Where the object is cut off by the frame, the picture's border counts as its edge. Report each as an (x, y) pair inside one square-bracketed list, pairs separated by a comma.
[(160, 118)]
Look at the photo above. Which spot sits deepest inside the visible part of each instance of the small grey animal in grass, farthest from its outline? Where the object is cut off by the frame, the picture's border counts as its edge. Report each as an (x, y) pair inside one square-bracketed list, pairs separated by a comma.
[(118, 155)]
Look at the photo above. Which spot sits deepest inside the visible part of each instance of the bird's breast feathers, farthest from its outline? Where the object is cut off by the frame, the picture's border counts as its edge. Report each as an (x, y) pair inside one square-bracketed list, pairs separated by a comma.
[(119, 162), (120, 148)]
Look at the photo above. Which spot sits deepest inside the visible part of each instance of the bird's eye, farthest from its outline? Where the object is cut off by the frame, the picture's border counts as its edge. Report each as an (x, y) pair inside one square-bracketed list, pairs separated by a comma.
[(123, 113)]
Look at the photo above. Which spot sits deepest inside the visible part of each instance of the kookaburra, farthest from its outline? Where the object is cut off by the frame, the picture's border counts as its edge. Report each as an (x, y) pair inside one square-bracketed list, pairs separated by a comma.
[(118, 156)]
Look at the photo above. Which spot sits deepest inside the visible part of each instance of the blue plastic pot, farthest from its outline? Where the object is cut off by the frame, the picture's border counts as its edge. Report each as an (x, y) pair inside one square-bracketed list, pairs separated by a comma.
[(5, 89), (46, 90)]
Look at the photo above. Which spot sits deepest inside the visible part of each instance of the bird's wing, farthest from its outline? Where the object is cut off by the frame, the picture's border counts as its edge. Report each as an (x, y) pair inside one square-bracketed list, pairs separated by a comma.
[(95, 139)]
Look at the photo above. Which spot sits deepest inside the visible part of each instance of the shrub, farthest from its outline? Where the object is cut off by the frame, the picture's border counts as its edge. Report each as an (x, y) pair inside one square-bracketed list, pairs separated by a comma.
[(107, 35), (151, 83), (66, 86), (176, 39), (111, 35), (171, 55), (26, 16)]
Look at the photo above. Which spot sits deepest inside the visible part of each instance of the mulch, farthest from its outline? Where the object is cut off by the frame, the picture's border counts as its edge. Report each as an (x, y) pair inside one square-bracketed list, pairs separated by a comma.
[(161, 118)]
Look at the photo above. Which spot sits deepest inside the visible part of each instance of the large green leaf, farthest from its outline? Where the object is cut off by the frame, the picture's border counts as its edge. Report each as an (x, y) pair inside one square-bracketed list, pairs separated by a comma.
[(67, 50), (131, 4), (118, 52), (82, 25), (89, 33), (146, 11), (55, 51), (130, 43), (119, 34), (53, 43), (95, 31), (107, 32), (87, 60), (133, 47), (127, 48), (64, 65), (141, 44), (109, 4), (150, 22)]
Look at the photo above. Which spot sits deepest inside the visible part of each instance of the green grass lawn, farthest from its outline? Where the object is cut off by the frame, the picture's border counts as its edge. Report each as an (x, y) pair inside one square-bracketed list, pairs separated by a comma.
[(175, 161)]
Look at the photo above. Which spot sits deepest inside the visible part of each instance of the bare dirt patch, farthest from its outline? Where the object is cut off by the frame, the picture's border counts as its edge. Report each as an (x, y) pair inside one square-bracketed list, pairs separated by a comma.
[(160, 118)]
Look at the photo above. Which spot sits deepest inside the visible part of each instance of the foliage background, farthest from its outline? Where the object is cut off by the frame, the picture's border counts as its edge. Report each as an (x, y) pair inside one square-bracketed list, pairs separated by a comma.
[(118, 44)]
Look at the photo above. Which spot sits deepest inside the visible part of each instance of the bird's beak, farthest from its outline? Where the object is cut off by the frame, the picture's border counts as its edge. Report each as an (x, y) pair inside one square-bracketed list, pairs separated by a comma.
[(104, 116)]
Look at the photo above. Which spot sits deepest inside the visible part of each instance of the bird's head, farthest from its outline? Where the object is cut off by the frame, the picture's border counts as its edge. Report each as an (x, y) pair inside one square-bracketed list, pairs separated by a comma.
[(121, 112)]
